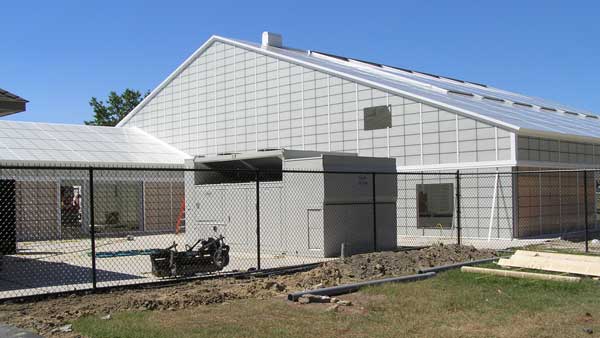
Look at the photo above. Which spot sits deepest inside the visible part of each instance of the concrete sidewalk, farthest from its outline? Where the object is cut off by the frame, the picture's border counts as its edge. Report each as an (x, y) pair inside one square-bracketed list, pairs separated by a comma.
[(7, 331)]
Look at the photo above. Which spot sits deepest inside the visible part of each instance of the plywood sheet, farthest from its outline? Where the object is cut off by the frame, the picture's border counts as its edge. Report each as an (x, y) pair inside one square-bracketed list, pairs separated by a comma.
[(552, 264)]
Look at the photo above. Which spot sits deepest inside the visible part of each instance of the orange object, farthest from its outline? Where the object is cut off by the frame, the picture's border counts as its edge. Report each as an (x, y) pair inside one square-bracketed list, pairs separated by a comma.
[(180, 215)]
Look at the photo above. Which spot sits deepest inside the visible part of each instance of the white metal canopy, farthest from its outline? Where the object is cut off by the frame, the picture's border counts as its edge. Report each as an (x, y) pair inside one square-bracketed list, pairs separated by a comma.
[(29, 143)]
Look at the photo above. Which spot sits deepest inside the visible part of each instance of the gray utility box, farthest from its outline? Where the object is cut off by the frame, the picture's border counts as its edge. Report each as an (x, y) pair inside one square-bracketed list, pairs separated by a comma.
[(302, 213)]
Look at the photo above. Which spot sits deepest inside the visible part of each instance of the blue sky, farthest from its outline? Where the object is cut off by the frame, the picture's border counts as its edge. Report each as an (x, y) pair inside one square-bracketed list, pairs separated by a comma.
[(58, 54)]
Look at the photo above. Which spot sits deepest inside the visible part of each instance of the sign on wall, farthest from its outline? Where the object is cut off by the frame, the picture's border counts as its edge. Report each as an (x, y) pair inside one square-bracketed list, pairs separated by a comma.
[(379, 117)]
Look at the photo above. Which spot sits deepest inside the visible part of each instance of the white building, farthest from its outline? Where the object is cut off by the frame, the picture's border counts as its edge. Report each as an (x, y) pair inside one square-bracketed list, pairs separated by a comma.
[(232, 96)]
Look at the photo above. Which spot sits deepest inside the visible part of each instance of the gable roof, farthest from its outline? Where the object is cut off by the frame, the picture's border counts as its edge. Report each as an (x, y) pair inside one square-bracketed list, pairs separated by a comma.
[(512, 111), (33, 143), (11, 103)]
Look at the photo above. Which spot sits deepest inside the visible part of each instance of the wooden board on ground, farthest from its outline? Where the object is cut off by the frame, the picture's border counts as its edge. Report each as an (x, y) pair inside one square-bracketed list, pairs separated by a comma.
[(551, 262), (580, 258), (520, 274)]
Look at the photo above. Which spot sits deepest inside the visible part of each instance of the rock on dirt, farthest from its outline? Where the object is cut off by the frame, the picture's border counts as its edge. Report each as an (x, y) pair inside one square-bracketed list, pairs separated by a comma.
[(332, 308), (47, 315)]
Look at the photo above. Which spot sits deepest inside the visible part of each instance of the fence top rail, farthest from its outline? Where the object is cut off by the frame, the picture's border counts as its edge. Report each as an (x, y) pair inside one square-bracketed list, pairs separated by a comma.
[(448, 172)]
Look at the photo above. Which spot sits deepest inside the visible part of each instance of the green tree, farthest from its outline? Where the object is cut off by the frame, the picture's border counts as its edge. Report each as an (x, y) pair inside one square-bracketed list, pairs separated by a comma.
[(115, 108)]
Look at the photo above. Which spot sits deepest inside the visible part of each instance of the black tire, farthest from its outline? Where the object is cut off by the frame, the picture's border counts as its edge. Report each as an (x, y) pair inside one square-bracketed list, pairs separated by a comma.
[(220, 259)]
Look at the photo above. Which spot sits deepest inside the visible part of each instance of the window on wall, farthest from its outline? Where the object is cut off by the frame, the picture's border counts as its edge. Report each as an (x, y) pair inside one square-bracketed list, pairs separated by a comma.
[(435, 205), (379, 117)]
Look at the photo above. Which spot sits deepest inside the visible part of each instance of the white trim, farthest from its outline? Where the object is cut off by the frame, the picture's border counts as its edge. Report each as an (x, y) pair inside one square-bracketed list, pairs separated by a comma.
[(94, 164), (455, 166)]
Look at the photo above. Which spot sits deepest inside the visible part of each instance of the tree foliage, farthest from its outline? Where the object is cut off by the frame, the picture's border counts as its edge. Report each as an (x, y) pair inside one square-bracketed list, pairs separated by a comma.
[(115, 108)]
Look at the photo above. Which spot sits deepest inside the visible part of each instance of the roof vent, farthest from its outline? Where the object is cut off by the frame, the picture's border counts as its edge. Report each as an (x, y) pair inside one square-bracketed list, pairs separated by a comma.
[(272, 39)]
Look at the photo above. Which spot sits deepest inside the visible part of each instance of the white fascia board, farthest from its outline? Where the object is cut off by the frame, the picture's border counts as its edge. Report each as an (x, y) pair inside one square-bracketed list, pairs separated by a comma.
[(457, 166), (87, 165), (346, 76), (558, 136)]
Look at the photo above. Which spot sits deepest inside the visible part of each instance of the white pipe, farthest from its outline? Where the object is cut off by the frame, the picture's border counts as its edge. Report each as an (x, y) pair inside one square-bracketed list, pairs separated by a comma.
[(493, 207)]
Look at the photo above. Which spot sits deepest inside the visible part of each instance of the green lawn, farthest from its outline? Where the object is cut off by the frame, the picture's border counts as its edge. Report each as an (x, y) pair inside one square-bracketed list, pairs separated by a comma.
[(453, 304)]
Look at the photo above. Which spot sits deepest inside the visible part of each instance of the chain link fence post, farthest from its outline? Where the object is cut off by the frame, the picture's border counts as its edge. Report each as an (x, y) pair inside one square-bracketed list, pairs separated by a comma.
[(585, 208), (458, 207), (258, 219), (92, 228)]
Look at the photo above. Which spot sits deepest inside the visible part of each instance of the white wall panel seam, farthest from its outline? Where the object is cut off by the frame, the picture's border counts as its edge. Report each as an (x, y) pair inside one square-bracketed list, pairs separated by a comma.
[(235, 112), (457, 139), (421, 130), (357, 126), (514, 142), (560, 220), (302, 104), (387, 130), (255, 101), (278, 108), (329, 112), (215, 146), (540, 220), (198, 118), (496, 140)]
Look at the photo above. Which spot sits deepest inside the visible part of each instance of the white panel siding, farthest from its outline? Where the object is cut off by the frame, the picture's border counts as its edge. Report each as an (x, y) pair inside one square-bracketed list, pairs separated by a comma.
[(230, 99)]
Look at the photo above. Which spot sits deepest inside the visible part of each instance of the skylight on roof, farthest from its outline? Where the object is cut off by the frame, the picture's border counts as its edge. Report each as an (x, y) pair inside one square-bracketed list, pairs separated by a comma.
[(522, 104), (491, 98), (458, 92)]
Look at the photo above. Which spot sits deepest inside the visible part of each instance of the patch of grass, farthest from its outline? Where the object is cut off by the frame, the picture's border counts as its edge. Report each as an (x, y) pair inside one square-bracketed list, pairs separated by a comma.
[(453, 304)]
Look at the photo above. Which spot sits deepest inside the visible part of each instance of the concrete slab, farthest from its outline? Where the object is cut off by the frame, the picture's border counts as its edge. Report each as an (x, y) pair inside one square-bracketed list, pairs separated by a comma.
[(7, 331), (58, 266)]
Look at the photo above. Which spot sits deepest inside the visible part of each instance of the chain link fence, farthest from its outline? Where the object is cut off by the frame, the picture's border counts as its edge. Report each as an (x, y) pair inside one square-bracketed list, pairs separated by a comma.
[(154, 225)]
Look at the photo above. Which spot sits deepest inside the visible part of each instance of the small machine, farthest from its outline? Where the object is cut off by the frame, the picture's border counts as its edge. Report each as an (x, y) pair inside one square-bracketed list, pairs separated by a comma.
[(211, 256)]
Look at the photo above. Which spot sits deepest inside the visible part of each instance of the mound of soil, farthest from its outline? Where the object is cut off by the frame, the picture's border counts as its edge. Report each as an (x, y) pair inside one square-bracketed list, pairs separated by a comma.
[(46, 315), (384, 264)]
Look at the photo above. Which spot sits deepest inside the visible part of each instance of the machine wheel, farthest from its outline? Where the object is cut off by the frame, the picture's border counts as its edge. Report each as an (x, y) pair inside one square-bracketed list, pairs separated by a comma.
[(220, 259)]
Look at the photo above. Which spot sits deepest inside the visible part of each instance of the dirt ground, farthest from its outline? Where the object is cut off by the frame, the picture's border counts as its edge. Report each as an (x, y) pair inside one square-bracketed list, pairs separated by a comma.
[(46, 316)]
